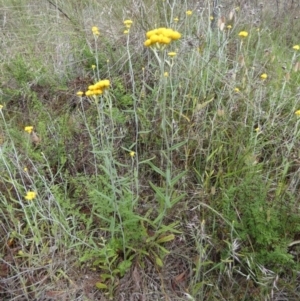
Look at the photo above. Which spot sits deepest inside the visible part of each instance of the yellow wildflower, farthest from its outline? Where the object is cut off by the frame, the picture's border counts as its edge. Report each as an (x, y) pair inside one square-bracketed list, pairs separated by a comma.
[(28, 129), (172, 54), (297, 113), (131, 154), (264, 76), (161, 36), (98, 88), (176, 19), (126, 31), (79, 93), (296, 47), (229, 26), (128, 23), (166, 74), (93, 67), (189, 12), (95, 31), (25, 169), (211, 18), (30, 195), (236, 90), (1, 107), (243, 34)]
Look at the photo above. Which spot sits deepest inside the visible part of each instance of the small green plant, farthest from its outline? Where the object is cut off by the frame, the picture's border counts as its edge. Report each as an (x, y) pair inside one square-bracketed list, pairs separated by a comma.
[(261, 224)]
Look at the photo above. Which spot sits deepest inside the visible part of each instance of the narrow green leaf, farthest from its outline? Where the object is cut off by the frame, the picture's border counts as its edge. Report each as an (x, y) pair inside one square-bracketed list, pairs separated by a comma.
[(156, 169), (178, 145), (176, 200), (158, 190), (100, 285), (177, 178), (159, 218), (164, 250), (214, 152), (166, 238), (106, 276), (159, 262), (146, 161)]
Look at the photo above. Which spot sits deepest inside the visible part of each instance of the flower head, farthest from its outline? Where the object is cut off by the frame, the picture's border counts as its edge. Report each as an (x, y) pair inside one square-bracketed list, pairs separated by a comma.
[(296, 47), (229, 26), (93, 67), (98, 88), (131, 154), (297, 113), (30, 195), (1, 107), (95, 31), (161, 36), (126, 31), (166, 74), (236, 90), (211, 18), (128, 23), (172, 54), (176, 19), (264, 76), (28, 129), (243, 34), (79, 93), (189, 12)]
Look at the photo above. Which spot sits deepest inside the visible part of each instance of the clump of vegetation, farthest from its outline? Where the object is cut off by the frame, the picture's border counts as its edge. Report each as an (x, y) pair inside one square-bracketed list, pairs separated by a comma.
[(152, 161)]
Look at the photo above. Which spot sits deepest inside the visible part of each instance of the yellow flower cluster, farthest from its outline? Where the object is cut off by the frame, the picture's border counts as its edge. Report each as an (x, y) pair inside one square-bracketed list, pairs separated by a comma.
[(131, 154), (162, 36), (243, 34), (128, 23), (296, 47), (28, 129), (98, 88), (95, 31), (30, 195), (264, 76)]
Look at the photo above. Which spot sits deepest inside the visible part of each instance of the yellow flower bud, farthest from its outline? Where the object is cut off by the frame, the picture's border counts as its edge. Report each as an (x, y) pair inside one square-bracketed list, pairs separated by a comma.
[(28, 129), (243, 34)]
